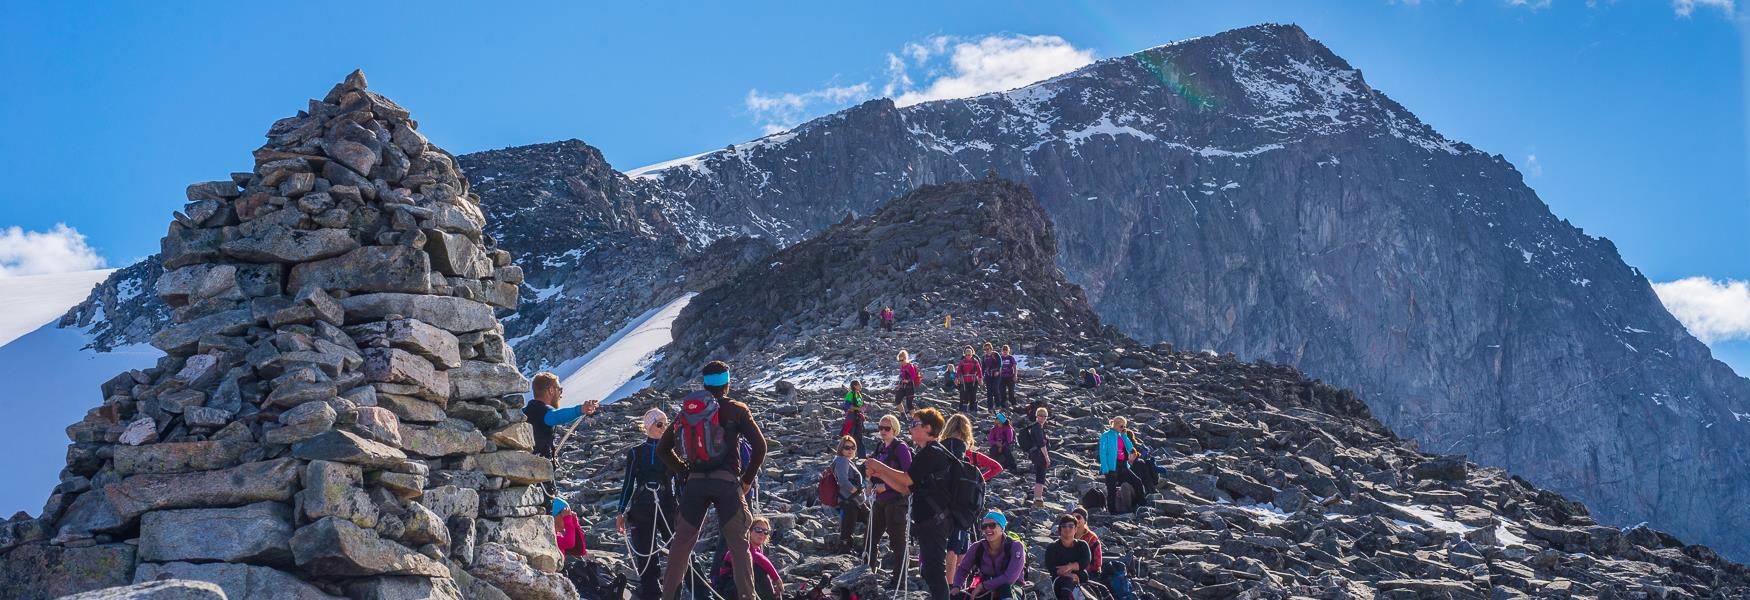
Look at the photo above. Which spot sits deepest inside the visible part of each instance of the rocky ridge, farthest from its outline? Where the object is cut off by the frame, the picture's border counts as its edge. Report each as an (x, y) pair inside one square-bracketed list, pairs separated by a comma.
[(337, 410), (1273, 485)]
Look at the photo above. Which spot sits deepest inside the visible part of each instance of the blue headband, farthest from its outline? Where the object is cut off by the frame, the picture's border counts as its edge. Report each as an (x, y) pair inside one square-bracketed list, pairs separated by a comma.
[(715, 379)]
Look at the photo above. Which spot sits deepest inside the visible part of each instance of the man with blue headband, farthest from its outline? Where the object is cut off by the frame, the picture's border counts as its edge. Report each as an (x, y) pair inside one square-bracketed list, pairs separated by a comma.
[(702, 444)]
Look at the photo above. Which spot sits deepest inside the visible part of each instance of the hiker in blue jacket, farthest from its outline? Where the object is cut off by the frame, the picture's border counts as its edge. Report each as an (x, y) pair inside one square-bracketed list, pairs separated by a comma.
[(1117, 451)]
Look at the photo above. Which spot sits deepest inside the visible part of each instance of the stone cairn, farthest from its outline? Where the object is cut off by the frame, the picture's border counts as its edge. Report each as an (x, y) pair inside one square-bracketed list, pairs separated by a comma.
[(337, 412)]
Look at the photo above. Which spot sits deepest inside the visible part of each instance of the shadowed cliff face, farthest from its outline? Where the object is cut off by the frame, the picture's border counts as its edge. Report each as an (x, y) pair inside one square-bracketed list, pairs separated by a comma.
[(1249, 192)]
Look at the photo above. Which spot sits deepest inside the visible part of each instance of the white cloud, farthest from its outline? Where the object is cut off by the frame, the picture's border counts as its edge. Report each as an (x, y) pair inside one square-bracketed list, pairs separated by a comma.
[(988, 64), (932, 69), (1685, 8), (778, 112), (59, 250), (1712, 310), (1531, 4), (1532, 166)]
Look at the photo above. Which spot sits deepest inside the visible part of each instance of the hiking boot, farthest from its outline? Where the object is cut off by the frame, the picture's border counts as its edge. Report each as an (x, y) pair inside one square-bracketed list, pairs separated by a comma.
[(1038, 503)]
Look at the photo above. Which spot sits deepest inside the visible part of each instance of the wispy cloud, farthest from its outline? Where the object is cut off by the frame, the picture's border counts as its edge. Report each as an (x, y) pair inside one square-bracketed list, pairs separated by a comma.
[(1686, 8), (1531, 4), (777, 112), (1532, 166), (1712, 310), (936, 68), (59, 250)]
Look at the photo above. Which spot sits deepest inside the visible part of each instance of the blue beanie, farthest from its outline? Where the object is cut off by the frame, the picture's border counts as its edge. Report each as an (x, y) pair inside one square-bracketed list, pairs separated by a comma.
[(559, 504), (997, 515)]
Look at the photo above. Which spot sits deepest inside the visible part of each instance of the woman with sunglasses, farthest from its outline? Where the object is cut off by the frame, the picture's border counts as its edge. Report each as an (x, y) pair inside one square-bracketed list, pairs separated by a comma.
[(767, 584), (997, 561), (958, 440), (647, 500), (1038, 444), (1117, 451), (850, 479), (889, 510), (1067, 560)]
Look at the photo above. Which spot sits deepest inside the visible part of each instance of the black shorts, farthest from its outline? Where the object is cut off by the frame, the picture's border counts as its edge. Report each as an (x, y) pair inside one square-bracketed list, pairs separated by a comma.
[(1039, 469)]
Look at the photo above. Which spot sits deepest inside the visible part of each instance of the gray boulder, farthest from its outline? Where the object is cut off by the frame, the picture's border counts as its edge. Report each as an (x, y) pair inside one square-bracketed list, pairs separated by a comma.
[(272, 480), (169, 589), (240, 582), (456, 315), (257, 533)]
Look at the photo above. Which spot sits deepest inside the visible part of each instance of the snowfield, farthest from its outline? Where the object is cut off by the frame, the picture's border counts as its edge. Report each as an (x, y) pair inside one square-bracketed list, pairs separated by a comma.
[(615, 368), (34, 300)]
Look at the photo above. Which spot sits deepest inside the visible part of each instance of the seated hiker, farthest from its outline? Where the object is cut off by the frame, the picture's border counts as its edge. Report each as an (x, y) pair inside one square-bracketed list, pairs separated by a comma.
[(853, 426), (1117, 451), (768, 585), (1067, 560), (994, 565), (1002, 441), (849, 481), (544, 413), (950, 380), (570, 534), (1085, 534), (1090, 378)]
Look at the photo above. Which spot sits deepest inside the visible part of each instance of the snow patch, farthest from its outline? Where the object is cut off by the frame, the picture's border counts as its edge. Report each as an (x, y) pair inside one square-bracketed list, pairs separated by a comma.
[(616, 368), (34, 300)]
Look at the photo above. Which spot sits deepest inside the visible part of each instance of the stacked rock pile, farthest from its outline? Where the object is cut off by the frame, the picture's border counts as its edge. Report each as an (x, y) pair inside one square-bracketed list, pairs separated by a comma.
[(337, 411)]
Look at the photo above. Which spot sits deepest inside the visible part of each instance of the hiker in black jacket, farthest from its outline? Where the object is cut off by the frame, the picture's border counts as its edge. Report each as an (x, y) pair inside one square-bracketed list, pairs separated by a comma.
[(1037, 443), (647, 501), (927, 482)]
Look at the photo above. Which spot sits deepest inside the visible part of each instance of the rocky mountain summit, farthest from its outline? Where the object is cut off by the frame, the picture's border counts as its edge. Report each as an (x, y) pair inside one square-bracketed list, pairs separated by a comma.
[(1274, 485), (337, 410)]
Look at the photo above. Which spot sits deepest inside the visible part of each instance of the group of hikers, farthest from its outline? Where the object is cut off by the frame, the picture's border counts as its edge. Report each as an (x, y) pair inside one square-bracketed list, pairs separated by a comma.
[(923, 488)]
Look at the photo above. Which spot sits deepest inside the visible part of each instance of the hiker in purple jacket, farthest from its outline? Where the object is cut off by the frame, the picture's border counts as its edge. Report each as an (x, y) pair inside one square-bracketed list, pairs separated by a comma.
[(1006, 378), (993, 363), (997, 561), (890, 510)]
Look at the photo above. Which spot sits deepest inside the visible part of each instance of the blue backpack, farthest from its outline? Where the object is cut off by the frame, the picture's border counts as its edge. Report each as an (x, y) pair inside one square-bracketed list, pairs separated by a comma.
[(1118, 581)]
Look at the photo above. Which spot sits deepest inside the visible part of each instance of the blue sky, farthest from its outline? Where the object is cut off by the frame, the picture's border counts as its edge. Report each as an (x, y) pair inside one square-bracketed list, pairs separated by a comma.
[(1634, 111)]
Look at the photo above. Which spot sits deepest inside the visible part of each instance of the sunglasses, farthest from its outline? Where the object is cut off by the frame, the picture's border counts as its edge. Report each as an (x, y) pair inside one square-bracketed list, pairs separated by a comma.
[(988, 525), (918, 425), (1067, 525), (886, 428), (762, 530), (847, 448), (660, 424)]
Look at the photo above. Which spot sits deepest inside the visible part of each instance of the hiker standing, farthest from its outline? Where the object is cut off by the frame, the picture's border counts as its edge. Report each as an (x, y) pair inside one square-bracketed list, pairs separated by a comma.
[(850, 491), (647, 501), (991, 367), (1006, 378), (544, 413), (889, 509), (1037, 443), (1002, 441), (927, 481), (970, 372), (997, 562), (957, 438), (905, 392), (854, 415), (887, 318), (703, 445), (863, 318), (1116, 453)]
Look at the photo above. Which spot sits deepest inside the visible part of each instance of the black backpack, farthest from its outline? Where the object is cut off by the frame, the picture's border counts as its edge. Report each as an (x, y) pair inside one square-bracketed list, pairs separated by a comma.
[(593, 582), (962, 494), (1028, 440)]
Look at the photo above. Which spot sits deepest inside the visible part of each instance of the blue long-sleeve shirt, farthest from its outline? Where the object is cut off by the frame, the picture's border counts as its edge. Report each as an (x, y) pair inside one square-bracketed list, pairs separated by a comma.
[(642, 469)]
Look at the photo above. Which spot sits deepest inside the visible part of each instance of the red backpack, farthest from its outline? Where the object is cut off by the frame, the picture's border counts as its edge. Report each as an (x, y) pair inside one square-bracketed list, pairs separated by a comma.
[(701, 441), (829, 488)]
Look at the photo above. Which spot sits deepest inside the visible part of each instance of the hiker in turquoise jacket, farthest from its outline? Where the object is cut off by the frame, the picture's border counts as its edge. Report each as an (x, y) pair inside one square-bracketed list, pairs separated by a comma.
[(1117, 450)]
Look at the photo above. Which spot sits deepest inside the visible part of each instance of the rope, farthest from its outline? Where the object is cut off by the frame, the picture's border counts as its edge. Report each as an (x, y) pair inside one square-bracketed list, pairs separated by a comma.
[(903, 583)]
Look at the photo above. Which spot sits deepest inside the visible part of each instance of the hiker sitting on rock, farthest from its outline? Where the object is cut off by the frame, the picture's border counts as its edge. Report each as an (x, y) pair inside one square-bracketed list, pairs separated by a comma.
[(768, 585), (1117, 452), (544, 413), (1002, 441), (1090, 378), (850, 491), (995, 564), (889, 509), (950, 380), (854, 415), (647, 500), (702, 444), (1084, 533), (570, 534), (1067, 561)]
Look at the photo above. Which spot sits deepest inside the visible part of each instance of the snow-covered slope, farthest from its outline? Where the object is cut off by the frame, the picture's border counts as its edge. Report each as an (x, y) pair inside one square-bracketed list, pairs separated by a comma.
[(616, 368), (37, 299)]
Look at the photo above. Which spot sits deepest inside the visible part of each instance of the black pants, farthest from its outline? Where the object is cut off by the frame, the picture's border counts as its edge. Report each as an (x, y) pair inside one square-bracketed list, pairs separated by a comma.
[(702, 494), (993, 391), (1039, 459), (1005, 456), (889, 521), (905, 396), (1064, 587), (648, 533), (851, 514), (1120, 476), (933, 557), (968, 395), (1007, 398)]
